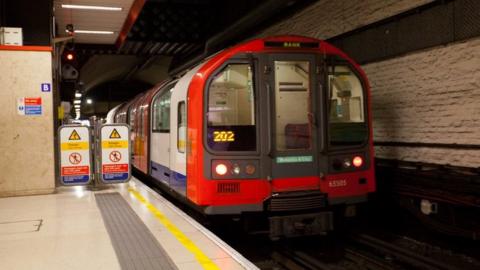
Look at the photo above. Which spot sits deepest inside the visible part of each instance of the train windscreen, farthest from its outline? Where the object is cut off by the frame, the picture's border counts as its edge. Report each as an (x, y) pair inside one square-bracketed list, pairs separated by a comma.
[(231, 110), (347, 123)]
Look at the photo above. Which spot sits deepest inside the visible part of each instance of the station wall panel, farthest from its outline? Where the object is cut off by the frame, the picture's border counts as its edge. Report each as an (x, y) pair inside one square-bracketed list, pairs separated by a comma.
[(26, 141), (425, 96)]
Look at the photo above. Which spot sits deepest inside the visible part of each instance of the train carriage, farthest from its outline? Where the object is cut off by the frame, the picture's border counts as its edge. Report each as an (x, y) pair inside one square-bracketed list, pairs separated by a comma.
[(278, 126)]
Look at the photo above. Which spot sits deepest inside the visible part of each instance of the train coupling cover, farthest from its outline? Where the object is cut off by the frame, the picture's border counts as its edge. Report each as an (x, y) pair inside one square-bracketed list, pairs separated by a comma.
[(300, 225)]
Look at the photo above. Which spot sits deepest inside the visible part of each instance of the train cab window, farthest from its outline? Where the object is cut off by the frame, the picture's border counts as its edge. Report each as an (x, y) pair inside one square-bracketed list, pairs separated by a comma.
[(182, 127), (131, 117), (161, 113), (231, 110), (346, 109), (292, 105)]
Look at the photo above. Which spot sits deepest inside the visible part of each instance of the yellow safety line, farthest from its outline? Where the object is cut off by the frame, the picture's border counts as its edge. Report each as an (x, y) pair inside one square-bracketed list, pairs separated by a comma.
[(206, 262)]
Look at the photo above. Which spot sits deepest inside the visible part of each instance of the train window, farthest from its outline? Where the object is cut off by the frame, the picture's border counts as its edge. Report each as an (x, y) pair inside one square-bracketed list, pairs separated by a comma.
[(231, 110), (140, 123), (292, 105), (131, 116), (346, 111), (182, 127), (161, 113)]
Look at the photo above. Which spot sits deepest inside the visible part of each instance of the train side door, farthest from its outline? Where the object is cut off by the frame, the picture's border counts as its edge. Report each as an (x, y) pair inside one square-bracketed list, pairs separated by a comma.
[(160, 137), (292, 138), (178, 143)]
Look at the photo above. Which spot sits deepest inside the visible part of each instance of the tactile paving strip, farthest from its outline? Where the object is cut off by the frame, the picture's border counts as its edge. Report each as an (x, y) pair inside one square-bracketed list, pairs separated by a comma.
[(134, 244)]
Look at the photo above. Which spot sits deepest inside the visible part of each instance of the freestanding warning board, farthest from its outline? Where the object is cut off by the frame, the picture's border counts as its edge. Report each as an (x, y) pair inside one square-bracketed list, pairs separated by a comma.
[(75, 159), (115, 153)]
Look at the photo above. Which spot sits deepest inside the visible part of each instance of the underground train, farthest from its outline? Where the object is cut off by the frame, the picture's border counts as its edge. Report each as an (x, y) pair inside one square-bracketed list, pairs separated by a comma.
[(278, 127)]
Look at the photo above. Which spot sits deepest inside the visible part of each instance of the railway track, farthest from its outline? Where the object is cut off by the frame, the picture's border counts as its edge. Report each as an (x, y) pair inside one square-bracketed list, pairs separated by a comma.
[(362, 251)]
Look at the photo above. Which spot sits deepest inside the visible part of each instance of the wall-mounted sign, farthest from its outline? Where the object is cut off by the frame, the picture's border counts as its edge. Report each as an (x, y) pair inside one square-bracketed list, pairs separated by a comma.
[(29, 106), (46, 87)]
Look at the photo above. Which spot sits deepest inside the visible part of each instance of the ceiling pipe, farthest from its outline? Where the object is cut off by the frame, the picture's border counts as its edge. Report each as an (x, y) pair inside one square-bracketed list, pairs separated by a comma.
[(235, 31)]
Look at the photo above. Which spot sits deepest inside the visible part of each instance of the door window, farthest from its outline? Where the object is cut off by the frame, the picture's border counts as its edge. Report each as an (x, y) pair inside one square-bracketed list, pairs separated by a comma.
[(182, 127), (161, 113), (292, 105)]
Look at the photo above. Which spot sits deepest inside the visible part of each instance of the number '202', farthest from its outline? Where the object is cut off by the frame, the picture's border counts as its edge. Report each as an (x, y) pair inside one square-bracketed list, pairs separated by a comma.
[(223, 136)]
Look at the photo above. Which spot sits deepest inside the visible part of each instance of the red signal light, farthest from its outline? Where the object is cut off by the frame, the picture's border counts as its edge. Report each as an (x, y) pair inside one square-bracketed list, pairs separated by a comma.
[(70, 56), (357, 161)]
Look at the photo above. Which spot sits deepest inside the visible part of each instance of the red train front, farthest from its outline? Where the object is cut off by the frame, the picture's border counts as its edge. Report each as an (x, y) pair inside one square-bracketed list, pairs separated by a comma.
[(278, 126)]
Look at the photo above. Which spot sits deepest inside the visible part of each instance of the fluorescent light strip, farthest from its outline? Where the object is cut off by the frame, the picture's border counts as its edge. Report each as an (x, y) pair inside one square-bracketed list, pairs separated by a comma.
[(92, 7), (93, 32)]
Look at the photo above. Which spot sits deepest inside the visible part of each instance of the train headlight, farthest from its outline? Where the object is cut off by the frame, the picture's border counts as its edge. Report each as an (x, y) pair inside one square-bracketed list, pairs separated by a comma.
[(250, 169), (236, 169), (358, 161), (221, 169), (347, 163)]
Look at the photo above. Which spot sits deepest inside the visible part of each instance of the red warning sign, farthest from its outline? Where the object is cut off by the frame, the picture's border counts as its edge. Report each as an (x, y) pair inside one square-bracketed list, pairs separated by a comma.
[(115, 168), (115, 156), (33, 101), (75, 170), (75, 158)]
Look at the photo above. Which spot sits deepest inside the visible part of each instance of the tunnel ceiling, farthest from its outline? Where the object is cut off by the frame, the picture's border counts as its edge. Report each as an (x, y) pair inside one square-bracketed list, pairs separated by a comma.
[(156, 33)]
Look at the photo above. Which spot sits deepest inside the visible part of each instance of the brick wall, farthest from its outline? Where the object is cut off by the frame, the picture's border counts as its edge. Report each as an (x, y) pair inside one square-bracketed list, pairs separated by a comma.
[(327, 18), (430, 96)]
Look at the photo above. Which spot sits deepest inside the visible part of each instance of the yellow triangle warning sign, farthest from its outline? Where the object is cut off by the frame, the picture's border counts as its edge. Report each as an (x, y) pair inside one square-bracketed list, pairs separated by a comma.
[(115, 134), (74, 136)]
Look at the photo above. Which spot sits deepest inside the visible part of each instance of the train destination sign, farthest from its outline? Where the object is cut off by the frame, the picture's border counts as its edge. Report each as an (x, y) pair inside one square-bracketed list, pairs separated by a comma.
[(115, 153), (75, 159)]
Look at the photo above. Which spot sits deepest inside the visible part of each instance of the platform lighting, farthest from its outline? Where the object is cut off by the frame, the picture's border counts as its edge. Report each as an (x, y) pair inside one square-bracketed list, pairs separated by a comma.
[(89, 101), (77, 106), (77, 101), (78, 95), (99, 32), (92, 7)]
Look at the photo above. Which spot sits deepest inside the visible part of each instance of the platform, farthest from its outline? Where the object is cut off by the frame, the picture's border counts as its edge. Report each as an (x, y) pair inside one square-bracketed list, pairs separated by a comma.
[(126, 226)]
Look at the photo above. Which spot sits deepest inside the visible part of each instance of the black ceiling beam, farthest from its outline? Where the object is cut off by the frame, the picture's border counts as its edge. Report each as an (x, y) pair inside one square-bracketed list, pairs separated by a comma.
[(236, 31), (245, 24)]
